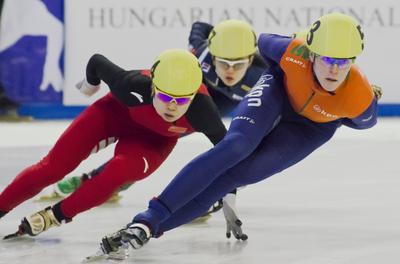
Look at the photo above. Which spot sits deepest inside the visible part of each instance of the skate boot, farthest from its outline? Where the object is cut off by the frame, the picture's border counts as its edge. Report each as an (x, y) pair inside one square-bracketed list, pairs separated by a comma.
[(38, 222), (135, 235), (67, 186), (35, 224), (62, 189)]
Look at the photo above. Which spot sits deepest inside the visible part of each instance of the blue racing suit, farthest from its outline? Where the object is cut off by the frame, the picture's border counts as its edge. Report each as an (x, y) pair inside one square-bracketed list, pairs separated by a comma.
[(226, 98), (265, 137)]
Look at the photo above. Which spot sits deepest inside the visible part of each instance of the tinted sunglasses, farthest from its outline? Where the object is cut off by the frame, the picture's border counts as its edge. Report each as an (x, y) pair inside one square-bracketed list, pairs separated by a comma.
[(235, 64), (166, 98), (341, 63)]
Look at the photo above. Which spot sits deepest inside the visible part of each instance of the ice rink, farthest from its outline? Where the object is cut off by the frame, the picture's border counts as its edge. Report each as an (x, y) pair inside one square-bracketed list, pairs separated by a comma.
[(340, 205)]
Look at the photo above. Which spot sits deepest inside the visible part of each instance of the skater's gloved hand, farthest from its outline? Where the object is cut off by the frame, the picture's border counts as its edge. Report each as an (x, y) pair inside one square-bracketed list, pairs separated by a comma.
[(135, 235), (233, 224), (377, 91), (87, 88)]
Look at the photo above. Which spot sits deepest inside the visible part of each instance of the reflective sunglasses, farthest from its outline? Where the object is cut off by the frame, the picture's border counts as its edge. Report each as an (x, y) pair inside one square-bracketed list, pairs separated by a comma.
[(341, 63), (166, 98), (235, 64)]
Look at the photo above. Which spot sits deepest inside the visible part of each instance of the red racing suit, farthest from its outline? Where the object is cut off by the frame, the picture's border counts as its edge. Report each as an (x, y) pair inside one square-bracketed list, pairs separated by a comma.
[(144, 140)]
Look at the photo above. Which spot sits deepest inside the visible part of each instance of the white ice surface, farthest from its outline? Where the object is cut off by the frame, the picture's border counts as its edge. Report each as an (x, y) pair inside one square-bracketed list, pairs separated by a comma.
[(340, 205)]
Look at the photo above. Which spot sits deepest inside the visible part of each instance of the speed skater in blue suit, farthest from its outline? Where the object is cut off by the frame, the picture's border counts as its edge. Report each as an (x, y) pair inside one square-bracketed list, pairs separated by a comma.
[(310, 90)]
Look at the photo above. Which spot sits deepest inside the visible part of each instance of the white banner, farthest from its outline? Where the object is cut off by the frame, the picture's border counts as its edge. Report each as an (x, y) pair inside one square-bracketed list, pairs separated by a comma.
[(131, 33)]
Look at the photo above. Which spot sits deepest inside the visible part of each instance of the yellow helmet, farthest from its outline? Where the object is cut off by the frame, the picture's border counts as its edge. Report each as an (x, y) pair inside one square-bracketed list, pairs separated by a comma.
[(177, 72), (336, 35), (301, 34), (231, 39)]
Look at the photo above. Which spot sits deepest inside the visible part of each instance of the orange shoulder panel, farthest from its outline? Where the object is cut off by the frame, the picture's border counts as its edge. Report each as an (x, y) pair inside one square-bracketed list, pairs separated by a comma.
[(309, 99)]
